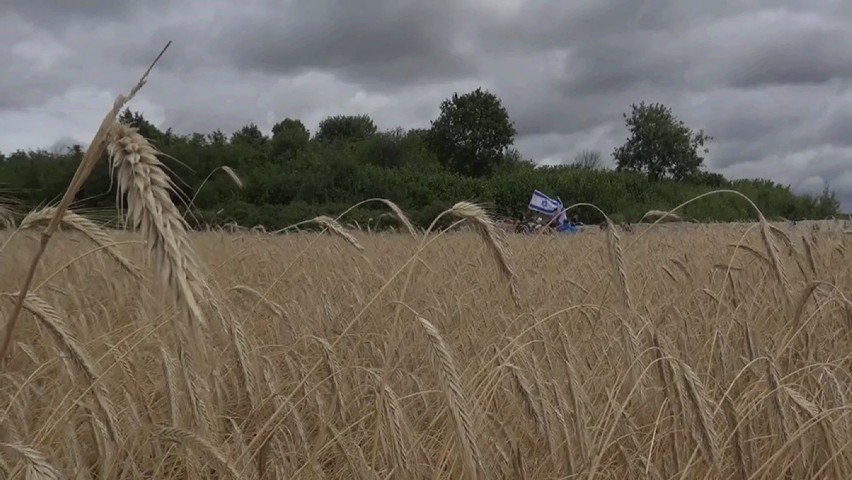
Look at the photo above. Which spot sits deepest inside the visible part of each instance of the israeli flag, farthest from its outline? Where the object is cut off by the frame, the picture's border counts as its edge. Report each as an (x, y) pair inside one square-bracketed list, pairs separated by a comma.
[(541, 203)]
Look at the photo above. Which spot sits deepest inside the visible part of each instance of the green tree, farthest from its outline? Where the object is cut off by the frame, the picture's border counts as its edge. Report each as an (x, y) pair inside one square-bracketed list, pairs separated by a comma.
[(589, 159), (660, 145), (249, 135), (350, 128), (385, 149), (827, 203), (513, 161), (715, 180), (137, 120), (289, 136), (400, 165), (472, 133)]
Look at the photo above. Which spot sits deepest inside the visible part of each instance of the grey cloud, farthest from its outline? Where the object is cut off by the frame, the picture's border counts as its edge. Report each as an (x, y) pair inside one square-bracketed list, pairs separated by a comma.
[(668, 44), (621, 62), (836, 127), (19, 90), (560, 115), (63, 144), (831, 166), (775, 48), (541, 26), (376, 42), (24, 80), (62, 15), (752, 124), (773, 85), (801, 169)]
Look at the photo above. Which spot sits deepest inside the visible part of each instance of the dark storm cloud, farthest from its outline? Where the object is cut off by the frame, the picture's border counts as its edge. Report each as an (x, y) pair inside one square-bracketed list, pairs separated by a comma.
[(617, 64), (379, 42), (38, 11), (746, 51), (64, 14), (778, 47)]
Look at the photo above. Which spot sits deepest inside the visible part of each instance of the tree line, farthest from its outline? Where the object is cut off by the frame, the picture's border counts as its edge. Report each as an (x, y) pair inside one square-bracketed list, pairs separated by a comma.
[(467, 153)]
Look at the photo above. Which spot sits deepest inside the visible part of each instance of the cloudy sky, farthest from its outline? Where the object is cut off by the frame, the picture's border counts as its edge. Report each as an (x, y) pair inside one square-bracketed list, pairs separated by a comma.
[(770, 80)]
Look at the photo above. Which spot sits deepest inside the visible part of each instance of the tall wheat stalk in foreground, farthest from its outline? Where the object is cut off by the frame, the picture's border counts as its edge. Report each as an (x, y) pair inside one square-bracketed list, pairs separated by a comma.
[(451, 385), (144, 191), (90, 158)]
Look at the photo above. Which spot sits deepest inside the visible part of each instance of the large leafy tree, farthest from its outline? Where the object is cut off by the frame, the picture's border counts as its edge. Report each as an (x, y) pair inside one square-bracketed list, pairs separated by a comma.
[(660, 144), (351, 128), (249, 135), (289, 136), (472, 133)]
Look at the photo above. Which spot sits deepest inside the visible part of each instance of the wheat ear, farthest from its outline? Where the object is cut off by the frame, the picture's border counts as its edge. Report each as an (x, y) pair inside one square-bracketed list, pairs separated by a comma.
[(74, 355), (459, 408), (37, 464), (403, 218), (200, 446), (338, 229), (91, 157), (146, 190), (85, 226), (773, 252), (490, 235), (616, 254)]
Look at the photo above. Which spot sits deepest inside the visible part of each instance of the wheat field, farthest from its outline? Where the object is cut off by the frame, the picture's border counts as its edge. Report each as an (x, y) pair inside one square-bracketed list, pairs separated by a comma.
[(718, 352)]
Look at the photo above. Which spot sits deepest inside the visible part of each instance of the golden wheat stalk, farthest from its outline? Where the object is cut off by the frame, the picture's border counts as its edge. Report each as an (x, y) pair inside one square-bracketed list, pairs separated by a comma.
[(7, 217), (490, 234), (36, 464), (403, 218), (335, 227), (703, 431), (774, 254), (90, 158), (76, 356), (395, 424), (200, 446), (616, 253), (145, 190), (459, 408), (85, 226)]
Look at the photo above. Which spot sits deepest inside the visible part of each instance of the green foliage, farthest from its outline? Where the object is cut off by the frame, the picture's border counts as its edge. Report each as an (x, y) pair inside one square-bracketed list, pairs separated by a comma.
[(472, 133), (590, 159), (660, 144), (290, 177), (250, 135), (289, 138), (343, 128)]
